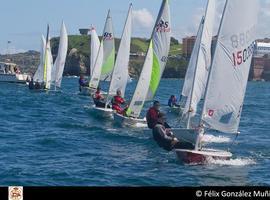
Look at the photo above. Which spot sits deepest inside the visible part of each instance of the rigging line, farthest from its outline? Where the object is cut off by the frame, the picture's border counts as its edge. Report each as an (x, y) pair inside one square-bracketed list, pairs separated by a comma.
[(234, 141)]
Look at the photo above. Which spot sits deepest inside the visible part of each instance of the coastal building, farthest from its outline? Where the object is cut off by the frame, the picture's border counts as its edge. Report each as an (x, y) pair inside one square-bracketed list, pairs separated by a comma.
[(261, 61), (260, 67), (84, 31)]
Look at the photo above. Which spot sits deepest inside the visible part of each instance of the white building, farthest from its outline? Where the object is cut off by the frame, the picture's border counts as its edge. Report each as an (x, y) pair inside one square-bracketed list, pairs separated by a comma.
[(262, 49)]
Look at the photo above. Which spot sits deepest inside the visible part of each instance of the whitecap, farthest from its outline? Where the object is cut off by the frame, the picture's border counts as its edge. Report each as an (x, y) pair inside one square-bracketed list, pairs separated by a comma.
[(215, 139), (232, 162)]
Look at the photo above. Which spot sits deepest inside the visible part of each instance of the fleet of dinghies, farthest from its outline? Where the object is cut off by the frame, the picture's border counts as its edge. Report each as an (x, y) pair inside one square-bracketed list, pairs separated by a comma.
[(119, 77), (218, 79), (49, 73)]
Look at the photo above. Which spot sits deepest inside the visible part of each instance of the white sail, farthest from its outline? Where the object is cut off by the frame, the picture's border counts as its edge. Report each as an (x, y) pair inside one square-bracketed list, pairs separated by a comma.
[(94, 82), (60, 61), (231, 65), (137, 102), (108, 50), (189, 77), (200, 66), (161, 46), (95, 43), (49, 65), (39, 74), (106, 55), (120, 73)]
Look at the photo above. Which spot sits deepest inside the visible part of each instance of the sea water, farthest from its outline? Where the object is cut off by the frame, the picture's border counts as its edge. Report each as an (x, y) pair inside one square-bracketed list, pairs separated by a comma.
[(53, 139)]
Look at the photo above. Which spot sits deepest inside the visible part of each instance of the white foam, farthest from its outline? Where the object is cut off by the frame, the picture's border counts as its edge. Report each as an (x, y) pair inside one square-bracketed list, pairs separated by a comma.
[(140, 125), (111, 130), (215, 139), (232, 162)]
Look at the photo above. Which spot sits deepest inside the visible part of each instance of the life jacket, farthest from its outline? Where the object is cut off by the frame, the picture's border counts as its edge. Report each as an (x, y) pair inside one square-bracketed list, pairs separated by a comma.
[(116, 103), (97, 95), (152, 117)]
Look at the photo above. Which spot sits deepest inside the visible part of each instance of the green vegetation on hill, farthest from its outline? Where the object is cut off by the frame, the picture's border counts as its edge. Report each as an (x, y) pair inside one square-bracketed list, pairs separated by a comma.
[(174, 69), (78, 59)]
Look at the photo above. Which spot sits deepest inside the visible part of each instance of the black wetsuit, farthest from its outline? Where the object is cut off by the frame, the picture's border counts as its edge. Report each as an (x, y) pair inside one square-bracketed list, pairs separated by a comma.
[(164, 141)]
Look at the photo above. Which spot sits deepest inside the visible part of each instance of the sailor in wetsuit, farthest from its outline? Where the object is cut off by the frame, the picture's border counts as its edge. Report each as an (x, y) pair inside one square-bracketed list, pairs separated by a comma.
[(82, 82), (165, 138)]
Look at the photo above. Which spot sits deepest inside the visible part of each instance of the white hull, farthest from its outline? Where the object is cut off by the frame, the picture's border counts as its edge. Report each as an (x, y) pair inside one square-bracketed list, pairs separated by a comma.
[(201, 156), (13, 78), (103, 112), (127, 121)]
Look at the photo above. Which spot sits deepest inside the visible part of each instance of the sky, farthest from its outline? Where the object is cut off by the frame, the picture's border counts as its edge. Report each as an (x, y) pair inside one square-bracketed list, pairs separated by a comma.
[(23, 21)]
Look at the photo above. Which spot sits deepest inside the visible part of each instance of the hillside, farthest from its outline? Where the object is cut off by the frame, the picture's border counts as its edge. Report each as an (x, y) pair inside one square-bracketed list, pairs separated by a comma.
[(78, 61)]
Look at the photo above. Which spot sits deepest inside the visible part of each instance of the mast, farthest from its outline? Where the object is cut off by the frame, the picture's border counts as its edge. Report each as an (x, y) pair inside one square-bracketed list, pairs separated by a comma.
[(209, 76), (46, 54), (195, 71)]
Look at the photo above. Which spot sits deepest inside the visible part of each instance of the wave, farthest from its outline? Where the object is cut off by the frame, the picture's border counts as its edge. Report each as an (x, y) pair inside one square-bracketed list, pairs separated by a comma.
[(232, 162), (215, 139)]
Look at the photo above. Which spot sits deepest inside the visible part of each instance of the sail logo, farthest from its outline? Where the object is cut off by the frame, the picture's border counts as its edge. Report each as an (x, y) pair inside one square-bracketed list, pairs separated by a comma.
[(163, 26), (107, 36), (211, 113)]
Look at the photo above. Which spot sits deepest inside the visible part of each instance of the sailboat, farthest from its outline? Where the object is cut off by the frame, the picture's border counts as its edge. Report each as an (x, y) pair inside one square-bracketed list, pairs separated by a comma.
[(94, 46), (120, 74), (154, 64), (104, 62), (42, 78), (59, 64), (227, 79), (197, 73)]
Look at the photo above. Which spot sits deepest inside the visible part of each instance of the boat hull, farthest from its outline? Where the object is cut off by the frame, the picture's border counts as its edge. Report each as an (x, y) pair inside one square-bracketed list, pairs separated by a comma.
[(14, 78), (103, 112), (202, 156), (127, 121)]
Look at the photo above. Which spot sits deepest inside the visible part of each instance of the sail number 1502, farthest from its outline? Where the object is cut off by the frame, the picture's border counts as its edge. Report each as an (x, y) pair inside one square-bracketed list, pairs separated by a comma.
[(242, 56)]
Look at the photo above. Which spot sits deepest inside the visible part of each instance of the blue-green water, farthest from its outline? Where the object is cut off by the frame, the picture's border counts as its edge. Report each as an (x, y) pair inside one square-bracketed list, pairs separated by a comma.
[(51, 139)]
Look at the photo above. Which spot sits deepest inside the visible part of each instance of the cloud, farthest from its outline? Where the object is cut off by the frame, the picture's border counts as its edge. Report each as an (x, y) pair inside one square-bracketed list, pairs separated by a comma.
[(143, 18), (264, 15), (192, 28)]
